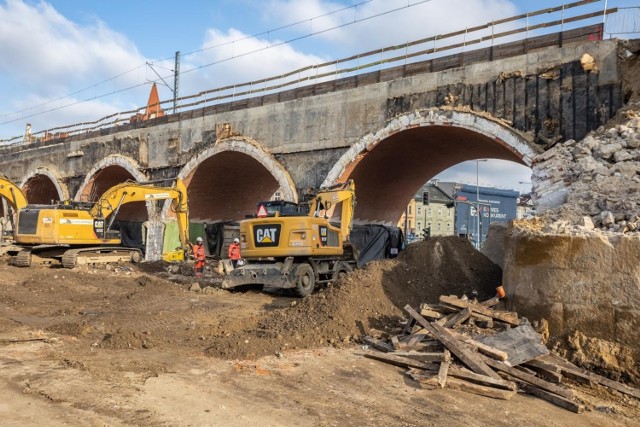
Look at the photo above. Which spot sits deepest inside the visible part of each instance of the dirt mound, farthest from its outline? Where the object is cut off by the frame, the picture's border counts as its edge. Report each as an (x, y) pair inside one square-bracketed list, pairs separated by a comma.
[(603, 357), (123, 339), (371, 297)]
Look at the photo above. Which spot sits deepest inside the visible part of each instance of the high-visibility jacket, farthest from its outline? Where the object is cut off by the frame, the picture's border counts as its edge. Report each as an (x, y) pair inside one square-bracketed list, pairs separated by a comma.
[(234, 251), (198, 253)]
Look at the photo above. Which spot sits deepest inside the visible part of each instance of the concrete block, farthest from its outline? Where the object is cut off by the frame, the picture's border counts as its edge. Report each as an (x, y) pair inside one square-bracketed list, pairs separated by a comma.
[(627, 325), (591, 320)]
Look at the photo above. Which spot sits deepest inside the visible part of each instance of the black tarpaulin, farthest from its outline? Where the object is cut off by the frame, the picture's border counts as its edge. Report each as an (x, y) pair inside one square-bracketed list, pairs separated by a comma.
[(215, 238), (375, 241), (130, 233)]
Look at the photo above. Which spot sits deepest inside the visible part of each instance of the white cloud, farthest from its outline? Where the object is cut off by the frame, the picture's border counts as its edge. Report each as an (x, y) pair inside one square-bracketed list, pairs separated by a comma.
[(237, 58), (410, 23), (39, 47), (45, 57)]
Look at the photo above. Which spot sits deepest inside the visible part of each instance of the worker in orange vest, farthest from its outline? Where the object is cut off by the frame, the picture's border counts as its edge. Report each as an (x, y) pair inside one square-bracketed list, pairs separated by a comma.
[(199, 255), (234, 252)]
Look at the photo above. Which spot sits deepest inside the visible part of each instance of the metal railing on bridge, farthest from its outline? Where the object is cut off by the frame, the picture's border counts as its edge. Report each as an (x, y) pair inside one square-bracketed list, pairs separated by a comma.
[(559, 20)]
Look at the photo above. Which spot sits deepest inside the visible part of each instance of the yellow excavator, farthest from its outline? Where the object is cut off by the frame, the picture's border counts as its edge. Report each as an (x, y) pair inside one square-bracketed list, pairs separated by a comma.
[(81, 233), (294, 246), (14, 197), (12, 194)]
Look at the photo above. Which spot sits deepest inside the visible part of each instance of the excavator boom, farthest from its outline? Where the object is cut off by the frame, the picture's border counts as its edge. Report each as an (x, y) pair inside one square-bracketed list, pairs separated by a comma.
[(328, 198), (12, 194)]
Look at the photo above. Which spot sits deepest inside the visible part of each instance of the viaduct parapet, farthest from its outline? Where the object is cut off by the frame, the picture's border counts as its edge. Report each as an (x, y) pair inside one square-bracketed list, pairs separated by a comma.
[(390, 130)]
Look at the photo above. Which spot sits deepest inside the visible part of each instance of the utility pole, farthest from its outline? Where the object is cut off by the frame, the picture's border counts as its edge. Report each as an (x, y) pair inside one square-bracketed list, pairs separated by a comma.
[(176, 81), (478, 217)]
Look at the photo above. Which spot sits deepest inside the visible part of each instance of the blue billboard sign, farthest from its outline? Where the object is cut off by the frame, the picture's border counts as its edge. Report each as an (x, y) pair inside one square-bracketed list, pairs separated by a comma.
[(496, 205)]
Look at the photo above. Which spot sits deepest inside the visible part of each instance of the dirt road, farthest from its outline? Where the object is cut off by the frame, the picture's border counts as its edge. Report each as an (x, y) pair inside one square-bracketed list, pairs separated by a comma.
[(116, 347)]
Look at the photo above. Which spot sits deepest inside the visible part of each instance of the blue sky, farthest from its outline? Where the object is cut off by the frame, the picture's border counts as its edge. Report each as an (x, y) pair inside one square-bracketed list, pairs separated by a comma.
[(60, 59)]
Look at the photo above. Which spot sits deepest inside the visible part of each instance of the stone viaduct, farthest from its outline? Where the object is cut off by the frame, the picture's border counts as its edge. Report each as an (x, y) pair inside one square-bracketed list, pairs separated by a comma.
[(389, 130)]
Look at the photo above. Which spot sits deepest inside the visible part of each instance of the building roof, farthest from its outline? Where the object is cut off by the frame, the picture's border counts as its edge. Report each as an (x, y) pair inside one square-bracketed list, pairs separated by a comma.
[(438, 191), (444, 192)]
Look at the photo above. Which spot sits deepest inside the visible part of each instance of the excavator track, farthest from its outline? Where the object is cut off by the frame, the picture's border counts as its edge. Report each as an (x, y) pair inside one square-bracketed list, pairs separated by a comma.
[(22, 259), (102, 255), (70, 257)]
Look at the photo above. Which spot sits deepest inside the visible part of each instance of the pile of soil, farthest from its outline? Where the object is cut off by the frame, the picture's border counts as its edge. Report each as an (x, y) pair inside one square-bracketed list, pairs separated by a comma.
[(368, 298)]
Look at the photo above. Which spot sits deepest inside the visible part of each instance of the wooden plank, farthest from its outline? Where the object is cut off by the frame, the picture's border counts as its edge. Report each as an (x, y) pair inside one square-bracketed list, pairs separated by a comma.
[(423, 357), (469, 358), (490, 302), (622, 388), (552, 398), (395, 343), (545, 370), (540, 364), (403, 362), (378, 344), (492, 352), (457, 384), (458, 318), (428, 380), (481, 379), (431, 314), (545, 385), (444, 369), (408, 326), (504, 316), (415, 339), (571, 371)]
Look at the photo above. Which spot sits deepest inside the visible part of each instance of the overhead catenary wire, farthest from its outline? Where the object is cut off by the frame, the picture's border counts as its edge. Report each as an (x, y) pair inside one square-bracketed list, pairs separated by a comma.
[(289, 41)]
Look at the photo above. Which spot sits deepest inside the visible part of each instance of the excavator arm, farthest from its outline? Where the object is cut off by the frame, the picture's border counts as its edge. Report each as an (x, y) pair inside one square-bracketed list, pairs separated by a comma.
[(327, 198), (12, 194), (129, 192)]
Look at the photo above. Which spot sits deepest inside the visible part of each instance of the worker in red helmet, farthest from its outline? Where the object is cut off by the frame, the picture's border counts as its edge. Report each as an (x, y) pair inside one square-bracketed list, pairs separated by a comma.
[(234, 252), (199, 255)]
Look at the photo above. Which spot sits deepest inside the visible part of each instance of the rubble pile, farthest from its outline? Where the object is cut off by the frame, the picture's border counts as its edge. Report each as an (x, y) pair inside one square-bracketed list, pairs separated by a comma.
[(471, 346), (594, 183)]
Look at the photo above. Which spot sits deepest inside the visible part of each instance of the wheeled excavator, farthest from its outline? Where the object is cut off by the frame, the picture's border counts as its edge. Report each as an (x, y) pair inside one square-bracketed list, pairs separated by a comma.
[(293, 246), (81, 233)]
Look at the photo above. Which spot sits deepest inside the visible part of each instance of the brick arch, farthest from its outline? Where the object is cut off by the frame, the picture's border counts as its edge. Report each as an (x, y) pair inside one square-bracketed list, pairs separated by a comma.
[(108, 172), (43, 185), (226, 180), (390, 165)]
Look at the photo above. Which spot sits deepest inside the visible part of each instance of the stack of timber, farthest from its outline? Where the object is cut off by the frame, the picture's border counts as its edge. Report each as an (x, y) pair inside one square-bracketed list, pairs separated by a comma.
[(470, 346)]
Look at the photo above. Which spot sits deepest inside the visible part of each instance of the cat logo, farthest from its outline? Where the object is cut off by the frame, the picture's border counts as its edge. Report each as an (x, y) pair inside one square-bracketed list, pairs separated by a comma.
[(267, 235)]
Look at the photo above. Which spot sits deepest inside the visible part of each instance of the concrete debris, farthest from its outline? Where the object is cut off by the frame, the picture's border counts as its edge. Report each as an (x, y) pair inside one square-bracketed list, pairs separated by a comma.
[(588, 63), (598, 177)]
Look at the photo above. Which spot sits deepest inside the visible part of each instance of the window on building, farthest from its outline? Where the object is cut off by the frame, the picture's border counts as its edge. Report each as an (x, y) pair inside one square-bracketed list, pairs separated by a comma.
[(409, 209), (439, 212)]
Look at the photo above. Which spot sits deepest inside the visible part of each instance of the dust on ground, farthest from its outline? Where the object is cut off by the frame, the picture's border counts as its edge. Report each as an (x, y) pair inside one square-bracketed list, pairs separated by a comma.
[(129, 347)]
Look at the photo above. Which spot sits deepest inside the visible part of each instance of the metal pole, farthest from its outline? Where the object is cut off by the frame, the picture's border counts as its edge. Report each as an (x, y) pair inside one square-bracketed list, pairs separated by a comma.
[(176, 82), (406, 223), (477, 205)]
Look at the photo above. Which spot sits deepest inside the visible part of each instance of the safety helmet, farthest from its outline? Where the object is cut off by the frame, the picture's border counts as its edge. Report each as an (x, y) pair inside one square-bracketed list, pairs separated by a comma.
[(199, 240), (236, 240)]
